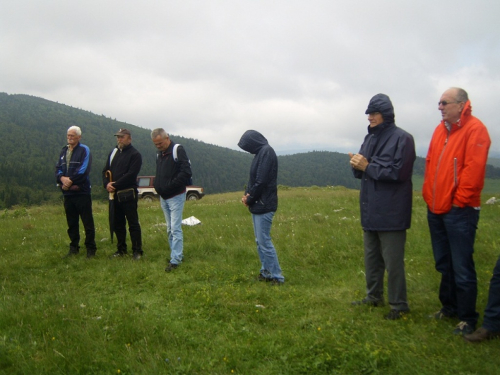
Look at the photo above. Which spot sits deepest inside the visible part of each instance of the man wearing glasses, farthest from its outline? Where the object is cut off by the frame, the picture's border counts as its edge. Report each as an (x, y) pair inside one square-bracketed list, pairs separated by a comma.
[(454, 177), (72, 175)]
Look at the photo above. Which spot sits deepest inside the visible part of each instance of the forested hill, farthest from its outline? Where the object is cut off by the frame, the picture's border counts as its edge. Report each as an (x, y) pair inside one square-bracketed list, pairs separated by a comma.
[(33, 131)]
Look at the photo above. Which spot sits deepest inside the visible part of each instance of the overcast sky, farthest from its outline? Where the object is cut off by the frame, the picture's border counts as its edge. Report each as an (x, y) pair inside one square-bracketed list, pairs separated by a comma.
[(300, 72)]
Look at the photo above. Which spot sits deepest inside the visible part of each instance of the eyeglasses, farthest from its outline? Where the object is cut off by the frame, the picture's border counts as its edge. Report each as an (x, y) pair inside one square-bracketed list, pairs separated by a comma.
[(445, 103)]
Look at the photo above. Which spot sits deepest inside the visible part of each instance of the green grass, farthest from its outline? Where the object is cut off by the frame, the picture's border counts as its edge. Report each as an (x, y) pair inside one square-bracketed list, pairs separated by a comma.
[(211, 316)]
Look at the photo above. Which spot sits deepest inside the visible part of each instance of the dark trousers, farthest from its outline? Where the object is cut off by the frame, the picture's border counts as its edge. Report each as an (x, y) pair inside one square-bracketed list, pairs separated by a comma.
[(492, 312), (76, 207), (127, 212), (385, 250), (452, 236)]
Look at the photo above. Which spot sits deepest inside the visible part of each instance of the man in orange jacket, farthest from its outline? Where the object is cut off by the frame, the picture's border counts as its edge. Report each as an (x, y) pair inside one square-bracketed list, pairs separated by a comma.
[(454, 177)]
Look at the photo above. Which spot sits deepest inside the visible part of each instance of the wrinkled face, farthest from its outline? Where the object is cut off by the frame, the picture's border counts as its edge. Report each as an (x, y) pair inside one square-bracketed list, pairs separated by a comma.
[(161, 143), (73, 138), (123, 140), (375, 119), (449, 107)]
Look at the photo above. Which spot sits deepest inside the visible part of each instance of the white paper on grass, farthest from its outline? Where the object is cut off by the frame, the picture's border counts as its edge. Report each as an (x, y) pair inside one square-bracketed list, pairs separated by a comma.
[(191, 221)]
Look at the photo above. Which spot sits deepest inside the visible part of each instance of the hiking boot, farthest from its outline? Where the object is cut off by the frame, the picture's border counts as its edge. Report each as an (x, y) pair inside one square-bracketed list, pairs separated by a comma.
[(367, 302), (171, 267), (137, 256), (481, 334), (463, 328), (438, 315), (396, 314), (261, 277), (276, 282)]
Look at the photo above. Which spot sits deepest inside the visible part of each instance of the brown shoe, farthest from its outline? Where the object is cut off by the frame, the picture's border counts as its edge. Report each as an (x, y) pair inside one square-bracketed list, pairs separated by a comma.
[(481, 334)]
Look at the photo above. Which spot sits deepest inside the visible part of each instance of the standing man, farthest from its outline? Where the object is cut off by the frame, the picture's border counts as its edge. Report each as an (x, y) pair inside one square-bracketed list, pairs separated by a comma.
[(454, 177), (491, 323), (72, 175), (261, 198), (172, 176), (124, 163), (385, 166)]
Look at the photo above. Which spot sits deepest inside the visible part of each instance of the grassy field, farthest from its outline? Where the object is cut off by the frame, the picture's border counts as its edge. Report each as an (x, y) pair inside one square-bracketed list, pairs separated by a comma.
[(211, 316)]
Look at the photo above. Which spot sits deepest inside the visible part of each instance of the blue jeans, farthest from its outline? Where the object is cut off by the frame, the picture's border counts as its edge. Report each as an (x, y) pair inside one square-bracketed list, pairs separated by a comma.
[(172, 209), (452, 237), (267, 253), (492, 312)]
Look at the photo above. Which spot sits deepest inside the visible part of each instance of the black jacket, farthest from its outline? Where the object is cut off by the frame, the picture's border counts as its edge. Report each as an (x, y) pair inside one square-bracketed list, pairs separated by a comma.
[(172, 177), (386, 187), (124, 167), (262, 184), (77, 169)]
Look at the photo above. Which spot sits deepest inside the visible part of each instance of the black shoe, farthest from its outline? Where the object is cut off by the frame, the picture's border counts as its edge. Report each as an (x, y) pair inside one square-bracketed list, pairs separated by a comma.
[(261, 277), (90, 254), (118, 254), (463, 328), (396, 314), (72, 252), (171, 267), (69, 255), (367, 302), (137, 256), (276, 282)]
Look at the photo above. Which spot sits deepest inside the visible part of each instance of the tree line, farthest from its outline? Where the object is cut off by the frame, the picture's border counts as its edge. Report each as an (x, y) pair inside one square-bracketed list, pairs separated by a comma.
[(34, 131)]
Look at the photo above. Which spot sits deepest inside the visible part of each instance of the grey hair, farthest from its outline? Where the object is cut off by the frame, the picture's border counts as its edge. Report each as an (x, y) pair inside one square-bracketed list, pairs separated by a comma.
[(77, 130), (461, 95), (159, 131)]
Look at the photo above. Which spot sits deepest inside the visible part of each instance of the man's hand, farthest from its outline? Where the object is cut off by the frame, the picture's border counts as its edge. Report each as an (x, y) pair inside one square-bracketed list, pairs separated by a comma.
[(66, 183), (110, 188), (358, 162), (244, 199)]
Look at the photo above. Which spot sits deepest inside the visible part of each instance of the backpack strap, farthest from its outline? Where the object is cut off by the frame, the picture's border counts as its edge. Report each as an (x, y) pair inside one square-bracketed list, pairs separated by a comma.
[(174, 152)]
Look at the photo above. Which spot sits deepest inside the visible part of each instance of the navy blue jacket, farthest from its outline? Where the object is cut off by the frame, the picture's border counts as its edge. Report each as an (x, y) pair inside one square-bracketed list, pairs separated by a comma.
[(124, 168), (77, 169), (386, 187), (262, 184), (172, 177)]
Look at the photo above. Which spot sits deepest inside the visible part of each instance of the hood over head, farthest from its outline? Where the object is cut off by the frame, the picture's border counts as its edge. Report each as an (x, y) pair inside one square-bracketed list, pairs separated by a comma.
[(381, 103), (252, 141)]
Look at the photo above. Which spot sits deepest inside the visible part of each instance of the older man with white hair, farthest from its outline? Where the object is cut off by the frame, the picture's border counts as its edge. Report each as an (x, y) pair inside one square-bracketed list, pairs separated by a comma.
[(72, 175)]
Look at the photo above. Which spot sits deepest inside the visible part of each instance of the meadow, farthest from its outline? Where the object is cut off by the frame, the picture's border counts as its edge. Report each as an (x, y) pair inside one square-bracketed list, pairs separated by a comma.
[(211, 315)]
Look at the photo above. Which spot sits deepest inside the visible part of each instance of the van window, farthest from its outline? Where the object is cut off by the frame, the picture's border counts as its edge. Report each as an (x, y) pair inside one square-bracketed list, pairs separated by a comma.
[(143, 182)]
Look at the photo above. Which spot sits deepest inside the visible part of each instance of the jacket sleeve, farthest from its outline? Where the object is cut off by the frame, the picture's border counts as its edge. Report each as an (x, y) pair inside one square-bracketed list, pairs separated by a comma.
[(80, 174), (59, 170), (130, 177), (395, 162), (105, 180), (474, 167), (182, 177), (262, 177)]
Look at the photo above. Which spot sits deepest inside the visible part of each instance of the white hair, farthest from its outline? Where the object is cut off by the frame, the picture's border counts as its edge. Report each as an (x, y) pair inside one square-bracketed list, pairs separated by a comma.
[(77, 130)]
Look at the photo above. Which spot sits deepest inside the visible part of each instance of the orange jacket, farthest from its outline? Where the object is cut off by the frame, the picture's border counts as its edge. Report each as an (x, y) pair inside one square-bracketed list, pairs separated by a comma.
[(456, 164)]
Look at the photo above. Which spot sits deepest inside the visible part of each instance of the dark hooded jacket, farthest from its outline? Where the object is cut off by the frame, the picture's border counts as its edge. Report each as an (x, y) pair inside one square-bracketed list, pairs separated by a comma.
[(262, 184), (386, 187)]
